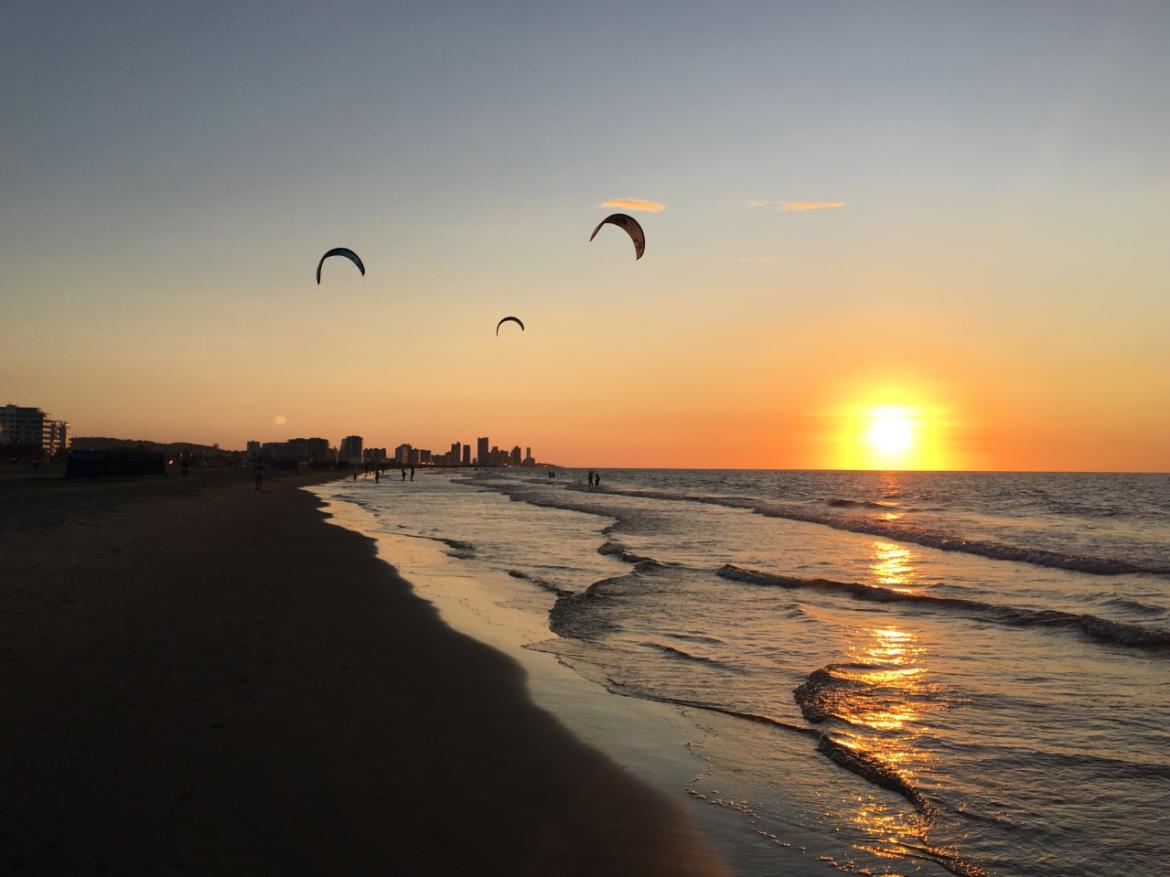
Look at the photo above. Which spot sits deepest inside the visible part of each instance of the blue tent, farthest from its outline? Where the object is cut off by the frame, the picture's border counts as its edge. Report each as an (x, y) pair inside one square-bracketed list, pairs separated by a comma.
[(99, 464)]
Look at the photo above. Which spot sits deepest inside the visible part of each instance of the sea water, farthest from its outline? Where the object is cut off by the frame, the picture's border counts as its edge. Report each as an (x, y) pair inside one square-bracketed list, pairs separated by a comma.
[(885, 673)]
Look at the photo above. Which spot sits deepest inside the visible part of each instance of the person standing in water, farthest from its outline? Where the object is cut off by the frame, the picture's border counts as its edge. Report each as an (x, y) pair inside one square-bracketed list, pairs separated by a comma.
[(377, 476), (403, 473), (412, 473)]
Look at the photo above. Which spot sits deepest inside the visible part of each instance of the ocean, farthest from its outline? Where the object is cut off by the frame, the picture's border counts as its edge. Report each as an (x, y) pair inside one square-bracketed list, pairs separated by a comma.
[(879, 673)]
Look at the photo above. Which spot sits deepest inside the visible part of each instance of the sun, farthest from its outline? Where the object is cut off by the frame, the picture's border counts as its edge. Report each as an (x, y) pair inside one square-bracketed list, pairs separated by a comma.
[(891, 431)]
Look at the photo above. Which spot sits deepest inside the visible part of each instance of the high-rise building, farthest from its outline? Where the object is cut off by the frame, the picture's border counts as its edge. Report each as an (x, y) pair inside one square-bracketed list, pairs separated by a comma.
[(303, 450), (33, 430), (351, 450), (516, 456), (482, 454), (455, 453), (58, 438), (374, 456), (311, 450), (402, 453), (467, 455)]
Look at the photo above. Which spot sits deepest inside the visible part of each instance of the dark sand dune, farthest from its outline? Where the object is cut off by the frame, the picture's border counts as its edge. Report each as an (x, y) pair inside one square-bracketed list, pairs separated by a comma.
[(200, 678)]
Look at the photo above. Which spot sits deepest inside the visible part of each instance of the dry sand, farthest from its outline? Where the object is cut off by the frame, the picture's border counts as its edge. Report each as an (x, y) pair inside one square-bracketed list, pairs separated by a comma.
[(200, 678)]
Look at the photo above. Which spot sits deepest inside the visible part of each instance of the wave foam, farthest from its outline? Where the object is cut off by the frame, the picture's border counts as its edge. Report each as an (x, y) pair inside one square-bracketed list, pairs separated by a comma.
[(1116, 632), (905, 532)]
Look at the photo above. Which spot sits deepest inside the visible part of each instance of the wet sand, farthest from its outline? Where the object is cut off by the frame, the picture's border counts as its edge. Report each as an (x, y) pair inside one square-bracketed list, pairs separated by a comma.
[(201, 678)]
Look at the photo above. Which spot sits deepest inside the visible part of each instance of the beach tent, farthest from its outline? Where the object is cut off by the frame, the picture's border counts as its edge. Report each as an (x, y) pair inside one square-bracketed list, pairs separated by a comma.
[(85, 464), (99, 464)]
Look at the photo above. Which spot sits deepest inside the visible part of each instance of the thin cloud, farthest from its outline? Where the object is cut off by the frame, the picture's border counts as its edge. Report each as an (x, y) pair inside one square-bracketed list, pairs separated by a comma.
[(757, 203), (813, 205), (635, 204), (759, 260)]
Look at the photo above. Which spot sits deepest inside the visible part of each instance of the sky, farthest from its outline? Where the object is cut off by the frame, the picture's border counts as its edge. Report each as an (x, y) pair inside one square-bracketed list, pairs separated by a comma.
[(946, 220)]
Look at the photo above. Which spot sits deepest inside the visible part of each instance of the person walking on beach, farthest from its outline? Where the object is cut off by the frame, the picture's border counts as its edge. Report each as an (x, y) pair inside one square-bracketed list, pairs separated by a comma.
[(377, 476), (258, 473), (403, 473), (597, 479), (412, 473)]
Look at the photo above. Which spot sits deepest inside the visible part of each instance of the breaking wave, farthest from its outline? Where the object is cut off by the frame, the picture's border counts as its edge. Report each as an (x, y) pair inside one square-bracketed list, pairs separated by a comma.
[(581, 615), (861, 504), (1116, 632), (903, 532)]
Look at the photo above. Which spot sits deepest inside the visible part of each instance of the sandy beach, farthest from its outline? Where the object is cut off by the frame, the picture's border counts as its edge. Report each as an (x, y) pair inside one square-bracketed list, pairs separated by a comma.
[(203, 678)]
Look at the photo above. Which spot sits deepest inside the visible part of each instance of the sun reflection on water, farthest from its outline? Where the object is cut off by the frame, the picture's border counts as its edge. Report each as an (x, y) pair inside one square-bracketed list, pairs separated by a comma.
[(893, 566), (889, 681), (889, 696)]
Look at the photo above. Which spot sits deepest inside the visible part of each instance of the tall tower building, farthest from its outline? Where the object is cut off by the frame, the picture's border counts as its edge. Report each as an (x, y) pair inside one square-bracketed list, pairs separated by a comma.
[(483, 455), (351, 450), (467, 455)]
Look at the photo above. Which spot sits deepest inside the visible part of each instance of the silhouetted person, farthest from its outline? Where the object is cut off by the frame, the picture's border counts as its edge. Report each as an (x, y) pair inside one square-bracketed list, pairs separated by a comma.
[(258, 473), (377, 476), (412, 473), (404, 474), (596, 479)]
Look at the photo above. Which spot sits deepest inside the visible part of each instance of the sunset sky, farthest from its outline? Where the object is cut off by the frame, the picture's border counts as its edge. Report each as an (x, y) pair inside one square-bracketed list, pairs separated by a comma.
[(954, 217)]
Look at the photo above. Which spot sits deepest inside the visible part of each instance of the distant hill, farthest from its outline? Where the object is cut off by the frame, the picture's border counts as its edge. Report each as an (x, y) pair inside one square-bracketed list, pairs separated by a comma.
[(105, 443)]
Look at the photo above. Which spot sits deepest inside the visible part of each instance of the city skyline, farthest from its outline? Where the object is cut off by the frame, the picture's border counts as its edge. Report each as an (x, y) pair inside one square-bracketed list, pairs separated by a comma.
[(29, 431), (351, 450)]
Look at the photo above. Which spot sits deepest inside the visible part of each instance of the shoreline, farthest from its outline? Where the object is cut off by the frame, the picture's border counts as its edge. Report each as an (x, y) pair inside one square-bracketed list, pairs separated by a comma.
[(208, 677), (655, 741), (659, 743)]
